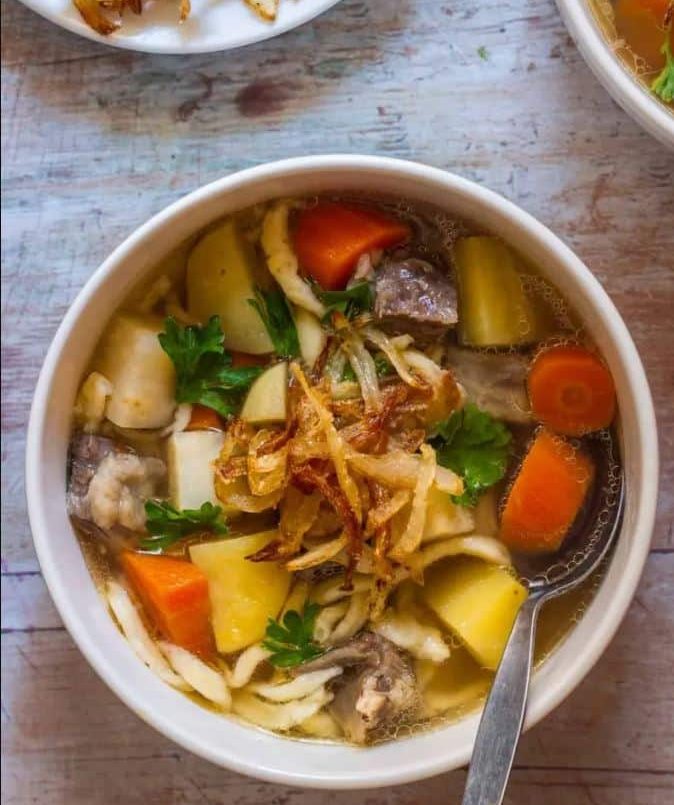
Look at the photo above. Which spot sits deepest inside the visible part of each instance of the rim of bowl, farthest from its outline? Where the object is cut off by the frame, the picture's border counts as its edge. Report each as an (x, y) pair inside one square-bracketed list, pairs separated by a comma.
[(541, 702), (80, 28), (648, 112)]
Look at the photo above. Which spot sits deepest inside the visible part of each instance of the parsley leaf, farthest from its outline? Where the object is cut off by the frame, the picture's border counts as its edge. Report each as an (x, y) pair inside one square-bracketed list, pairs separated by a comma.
[(291, 643), (474, 445), (483, 53), (351, 302), (663, 84), (167, 525), (274, 311), (204, 373)]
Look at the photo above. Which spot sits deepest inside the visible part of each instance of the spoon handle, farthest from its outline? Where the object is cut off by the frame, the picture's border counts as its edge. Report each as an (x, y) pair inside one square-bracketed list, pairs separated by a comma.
[(503, 714)]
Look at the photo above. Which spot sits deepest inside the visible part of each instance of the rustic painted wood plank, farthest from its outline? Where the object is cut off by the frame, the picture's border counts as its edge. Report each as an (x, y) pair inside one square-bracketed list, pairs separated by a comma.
[(26, 603), (82, 745), (95, 141)]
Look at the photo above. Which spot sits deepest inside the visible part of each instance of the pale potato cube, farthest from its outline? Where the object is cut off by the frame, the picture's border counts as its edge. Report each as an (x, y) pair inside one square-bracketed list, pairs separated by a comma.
[(220, 281), (141, 374), (190, 456), (478, 601), (267, 399), (311, 334), (243, 594)]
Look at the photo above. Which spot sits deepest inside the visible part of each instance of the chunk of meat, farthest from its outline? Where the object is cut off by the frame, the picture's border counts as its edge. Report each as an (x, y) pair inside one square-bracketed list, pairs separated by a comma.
[(109, 483), (496, 383), (412, 296), (377, 689)]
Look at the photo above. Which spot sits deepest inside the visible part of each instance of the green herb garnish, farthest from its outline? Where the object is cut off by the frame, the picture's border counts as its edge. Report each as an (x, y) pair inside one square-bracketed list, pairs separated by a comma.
[(353, 301), (483, 53), (274, 311), (381, 364), (292, 643), (167, 525), (663, 84), (475, 446), (204, 372)]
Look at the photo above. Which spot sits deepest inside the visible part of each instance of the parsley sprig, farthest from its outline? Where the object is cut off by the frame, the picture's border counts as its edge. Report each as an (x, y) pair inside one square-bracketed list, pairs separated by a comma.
[(273, 309), (204, 372), (291, 643), (474, 445), (353, 301), (663, 84), (167, 525)]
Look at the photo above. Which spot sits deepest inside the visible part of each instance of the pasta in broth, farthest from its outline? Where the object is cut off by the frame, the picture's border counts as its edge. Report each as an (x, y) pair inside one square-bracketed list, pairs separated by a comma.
[(306, 450)]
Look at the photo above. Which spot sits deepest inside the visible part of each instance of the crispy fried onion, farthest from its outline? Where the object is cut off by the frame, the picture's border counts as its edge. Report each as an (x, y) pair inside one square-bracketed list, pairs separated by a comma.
[(266, 470), (336, 444), (236, 494), (313, 478), (400, 470), (365, 370), (394, 354), (414, 531)]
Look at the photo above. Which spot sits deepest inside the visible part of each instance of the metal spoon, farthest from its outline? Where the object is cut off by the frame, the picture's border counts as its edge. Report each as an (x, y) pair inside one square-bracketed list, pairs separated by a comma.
[(503, 715)]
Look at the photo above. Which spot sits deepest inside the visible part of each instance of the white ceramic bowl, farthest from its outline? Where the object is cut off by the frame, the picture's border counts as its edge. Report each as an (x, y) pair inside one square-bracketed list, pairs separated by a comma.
[(612, 73), (212, 25), (217, 738)]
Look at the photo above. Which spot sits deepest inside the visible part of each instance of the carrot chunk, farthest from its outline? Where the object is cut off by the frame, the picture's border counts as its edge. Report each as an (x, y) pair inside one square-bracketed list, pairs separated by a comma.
[(329, 239), (203, 418), (174, 594), (571, 390), (546, 496)]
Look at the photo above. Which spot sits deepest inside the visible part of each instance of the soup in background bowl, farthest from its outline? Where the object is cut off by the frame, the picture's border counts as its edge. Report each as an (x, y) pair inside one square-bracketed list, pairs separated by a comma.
[(629, 46), (304, 438)]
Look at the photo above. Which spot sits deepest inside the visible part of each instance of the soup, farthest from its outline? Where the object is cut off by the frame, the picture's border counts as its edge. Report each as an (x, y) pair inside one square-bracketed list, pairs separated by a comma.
[(309, 450), (641, 32)]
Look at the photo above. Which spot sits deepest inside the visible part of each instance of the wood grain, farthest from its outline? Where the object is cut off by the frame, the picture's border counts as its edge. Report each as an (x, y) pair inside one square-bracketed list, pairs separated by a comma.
[(95, 141), (62, 723)]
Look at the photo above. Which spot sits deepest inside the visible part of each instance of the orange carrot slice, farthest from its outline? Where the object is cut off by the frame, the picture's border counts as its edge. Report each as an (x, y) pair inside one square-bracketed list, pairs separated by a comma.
[(204, 418), (329, 239), (571, 390), (174, 594), (546, 496)]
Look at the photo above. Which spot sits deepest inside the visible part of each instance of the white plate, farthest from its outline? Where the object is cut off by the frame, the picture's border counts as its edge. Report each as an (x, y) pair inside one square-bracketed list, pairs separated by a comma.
[(212, 24), (639, 104)]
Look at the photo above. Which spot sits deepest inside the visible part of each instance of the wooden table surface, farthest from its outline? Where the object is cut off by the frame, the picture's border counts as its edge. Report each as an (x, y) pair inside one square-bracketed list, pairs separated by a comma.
[(95, 141)]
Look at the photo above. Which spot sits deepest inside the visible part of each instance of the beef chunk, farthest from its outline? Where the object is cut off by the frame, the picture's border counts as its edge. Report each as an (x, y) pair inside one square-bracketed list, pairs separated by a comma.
[(412, 296)]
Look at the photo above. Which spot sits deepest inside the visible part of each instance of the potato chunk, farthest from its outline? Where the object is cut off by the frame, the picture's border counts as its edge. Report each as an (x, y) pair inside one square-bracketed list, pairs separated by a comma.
[(243, 594), (478, 601), (220, 281), (140, 372), (311, 335), (267, 398)]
